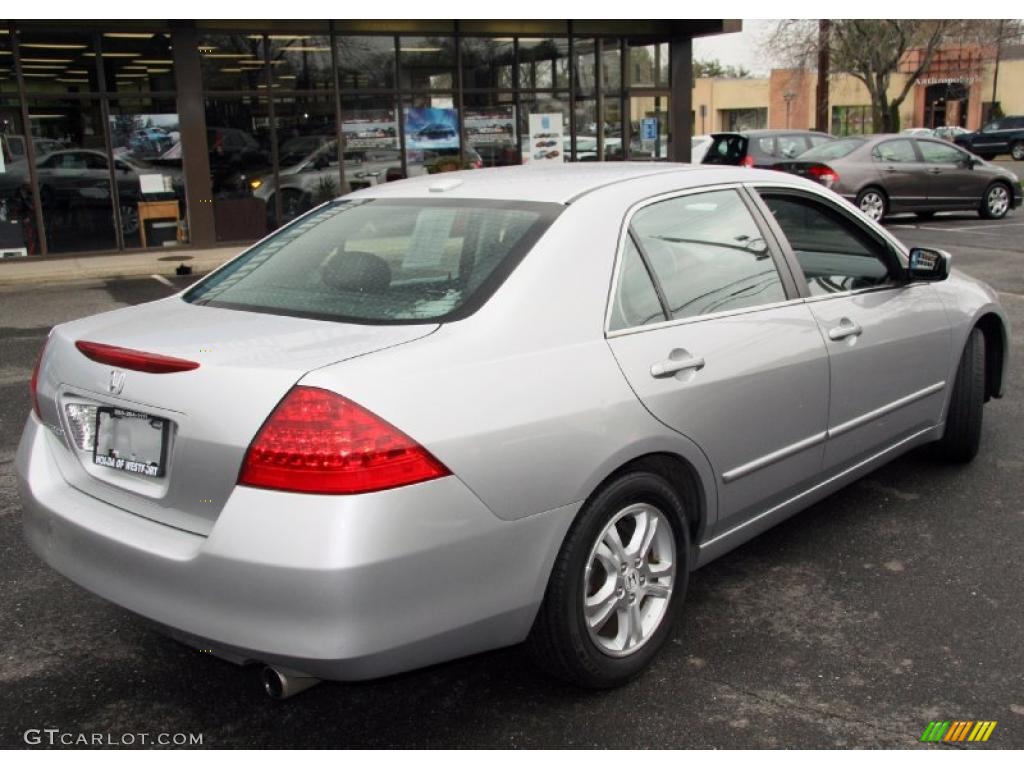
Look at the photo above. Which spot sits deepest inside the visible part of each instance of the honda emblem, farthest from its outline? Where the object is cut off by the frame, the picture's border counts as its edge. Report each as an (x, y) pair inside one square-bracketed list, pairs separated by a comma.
[(116, 383)]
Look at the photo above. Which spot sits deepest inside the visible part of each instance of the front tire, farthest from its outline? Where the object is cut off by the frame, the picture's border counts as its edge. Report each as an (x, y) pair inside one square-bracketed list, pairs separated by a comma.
[(1017, 150), (616, 585), (962, 438), (996, 201), (873, 203)]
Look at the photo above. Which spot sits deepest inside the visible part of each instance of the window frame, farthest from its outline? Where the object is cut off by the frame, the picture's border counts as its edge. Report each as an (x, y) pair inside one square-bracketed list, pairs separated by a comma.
[(896, 253), (790, 285)]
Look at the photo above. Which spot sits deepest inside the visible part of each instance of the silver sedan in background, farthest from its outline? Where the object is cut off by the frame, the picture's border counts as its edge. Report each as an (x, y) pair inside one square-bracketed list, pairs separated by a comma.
[(458, 412), (890, 173)]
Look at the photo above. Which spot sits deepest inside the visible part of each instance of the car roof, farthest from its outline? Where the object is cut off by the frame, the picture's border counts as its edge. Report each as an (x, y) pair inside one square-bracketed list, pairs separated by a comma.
[(562, 182), (769, 132)]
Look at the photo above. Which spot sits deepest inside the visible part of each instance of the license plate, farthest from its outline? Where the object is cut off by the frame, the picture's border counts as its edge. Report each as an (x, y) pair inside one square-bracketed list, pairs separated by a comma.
[(130, 441)]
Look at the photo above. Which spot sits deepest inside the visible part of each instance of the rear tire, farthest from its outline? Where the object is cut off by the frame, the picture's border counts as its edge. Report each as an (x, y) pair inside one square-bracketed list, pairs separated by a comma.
[(996, 202), (873, 203), (1017, 150), (962, 438), (568, 645)]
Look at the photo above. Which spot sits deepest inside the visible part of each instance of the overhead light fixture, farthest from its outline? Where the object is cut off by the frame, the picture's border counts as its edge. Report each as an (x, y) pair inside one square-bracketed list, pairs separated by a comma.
[(46, 61), (37, 74), (153, 61), (42, 66), (286, 77), (115, 55), (232, 70), (45, 117), (308, 48), (72, 80), (78, 71), (130, 35), (57, 46), (126, 75), (134, 66), (420, 49), (228, 55), (157, 71)]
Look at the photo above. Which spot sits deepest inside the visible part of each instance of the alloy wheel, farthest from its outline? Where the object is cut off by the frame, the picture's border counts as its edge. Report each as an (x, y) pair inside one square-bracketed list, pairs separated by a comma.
[(872, 204), (997, 201), (129, 219), (1017, 151), (627, 585)]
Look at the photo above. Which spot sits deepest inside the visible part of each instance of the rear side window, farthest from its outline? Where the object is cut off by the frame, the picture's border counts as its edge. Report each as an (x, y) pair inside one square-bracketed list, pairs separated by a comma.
[(707, 254), (726, 149), (382, 260), (791, 146)]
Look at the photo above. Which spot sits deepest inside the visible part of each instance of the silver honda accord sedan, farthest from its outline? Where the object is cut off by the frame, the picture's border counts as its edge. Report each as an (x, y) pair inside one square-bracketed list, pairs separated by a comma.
[(459, 412)]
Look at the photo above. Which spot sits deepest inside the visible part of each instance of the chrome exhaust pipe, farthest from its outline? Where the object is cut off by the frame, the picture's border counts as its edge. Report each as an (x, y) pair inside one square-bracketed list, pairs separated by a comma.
[(280, 684)]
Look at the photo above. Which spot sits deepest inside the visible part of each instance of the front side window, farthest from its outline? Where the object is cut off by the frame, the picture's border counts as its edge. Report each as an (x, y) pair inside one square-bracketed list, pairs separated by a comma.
[(895, 151), (382, 260), (940, 152), (834, 252), (707, 254)]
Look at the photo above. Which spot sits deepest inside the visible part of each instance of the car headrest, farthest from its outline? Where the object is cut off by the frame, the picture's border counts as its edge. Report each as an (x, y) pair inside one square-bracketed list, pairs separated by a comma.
[(357, 271)]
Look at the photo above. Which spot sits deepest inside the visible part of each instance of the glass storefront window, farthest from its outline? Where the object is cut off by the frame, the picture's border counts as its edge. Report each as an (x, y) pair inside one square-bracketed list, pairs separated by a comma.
[(586, 130), (370, 130), (585, 53), (366, 62), (233, 62), (17, 208), (74, 175), (648, 108), (137, 62), (146, 140), (301, 63), (8, 81), (487, 62), (663, 65), (543, 63), (642, 66), (58, 62), (307, 156), (241, 171), (613, 149), (490, 128), (611, 67), (426, 63)]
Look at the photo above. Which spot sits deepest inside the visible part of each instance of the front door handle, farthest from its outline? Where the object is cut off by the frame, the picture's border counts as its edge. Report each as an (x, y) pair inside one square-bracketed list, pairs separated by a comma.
[(845, 329), (678, 360)]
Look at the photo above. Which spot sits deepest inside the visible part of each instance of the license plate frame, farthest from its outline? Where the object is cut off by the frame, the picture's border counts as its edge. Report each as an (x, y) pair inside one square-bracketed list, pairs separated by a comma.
[(111, 421)]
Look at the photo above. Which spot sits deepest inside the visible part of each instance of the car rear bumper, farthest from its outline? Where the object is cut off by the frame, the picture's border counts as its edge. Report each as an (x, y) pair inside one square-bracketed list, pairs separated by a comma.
[(340, 587)]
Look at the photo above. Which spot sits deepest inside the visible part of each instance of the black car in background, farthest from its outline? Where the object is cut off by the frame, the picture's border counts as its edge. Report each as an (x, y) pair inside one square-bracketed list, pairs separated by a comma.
[(999, 137), (761, 148)]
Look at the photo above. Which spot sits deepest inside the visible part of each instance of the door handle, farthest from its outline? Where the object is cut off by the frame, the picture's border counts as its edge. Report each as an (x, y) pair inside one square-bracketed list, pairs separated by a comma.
[(845, 329), (890, 169), (935, 170), (678, 360)]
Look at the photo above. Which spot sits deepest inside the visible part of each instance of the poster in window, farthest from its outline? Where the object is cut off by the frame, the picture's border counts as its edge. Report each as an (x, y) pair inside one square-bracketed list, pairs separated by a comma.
[(546, 138), (431, 128)]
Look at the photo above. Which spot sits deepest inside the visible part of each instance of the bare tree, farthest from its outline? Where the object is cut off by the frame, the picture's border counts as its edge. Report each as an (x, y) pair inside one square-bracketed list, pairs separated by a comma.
[(872, 50)]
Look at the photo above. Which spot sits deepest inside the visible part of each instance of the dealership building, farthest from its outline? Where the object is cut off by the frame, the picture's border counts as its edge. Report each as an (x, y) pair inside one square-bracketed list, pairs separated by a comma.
[(124, 135)]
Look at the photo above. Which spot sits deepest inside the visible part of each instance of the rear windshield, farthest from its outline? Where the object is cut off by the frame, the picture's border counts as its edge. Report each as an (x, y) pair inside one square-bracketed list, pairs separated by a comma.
[(382, 260), (726, 149), (833, 150)]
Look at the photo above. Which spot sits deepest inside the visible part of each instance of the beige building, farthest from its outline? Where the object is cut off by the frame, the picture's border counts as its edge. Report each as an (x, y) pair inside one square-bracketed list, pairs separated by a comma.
[(956, 90)]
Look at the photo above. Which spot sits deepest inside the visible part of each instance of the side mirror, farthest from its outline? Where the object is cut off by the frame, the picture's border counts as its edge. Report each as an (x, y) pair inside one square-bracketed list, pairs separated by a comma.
[(928, 265)]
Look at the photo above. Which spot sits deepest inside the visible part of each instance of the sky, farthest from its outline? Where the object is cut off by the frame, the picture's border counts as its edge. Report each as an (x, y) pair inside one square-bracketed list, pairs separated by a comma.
[(738, 49)]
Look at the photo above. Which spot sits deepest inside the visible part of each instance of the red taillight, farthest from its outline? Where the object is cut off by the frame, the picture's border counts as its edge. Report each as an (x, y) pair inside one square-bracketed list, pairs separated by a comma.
[(823, 175), (133, 359), (33, 383), (747, 161), (318, 442)]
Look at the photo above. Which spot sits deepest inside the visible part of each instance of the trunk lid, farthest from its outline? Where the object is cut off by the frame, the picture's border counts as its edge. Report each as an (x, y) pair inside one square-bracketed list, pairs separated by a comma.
[(247, 362)]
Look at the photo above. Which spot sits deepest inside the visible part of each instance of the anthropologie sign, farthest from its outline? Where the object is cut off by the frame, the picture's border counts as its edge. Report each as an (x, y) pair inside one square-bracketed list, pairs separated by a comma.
[(545, 138)]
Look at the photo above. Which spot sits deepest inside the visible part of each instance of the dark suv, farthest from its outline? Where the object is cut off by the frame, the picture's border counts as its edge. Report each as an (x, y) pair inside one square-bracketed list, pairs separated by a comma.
[(1000, 137), (761, 148)]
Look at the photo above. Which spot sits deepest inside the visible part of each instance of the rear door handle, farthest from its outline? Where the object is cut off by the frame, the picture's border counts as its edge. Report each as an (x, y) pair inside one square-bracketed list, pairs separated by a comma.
[(678, 360), (845, 329)]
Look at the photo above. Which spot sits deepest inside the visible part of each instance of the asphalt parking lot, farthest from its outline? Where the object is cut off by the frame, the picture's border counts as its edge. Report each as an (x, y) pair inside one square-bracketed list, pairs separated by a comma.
[(893, 603)]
